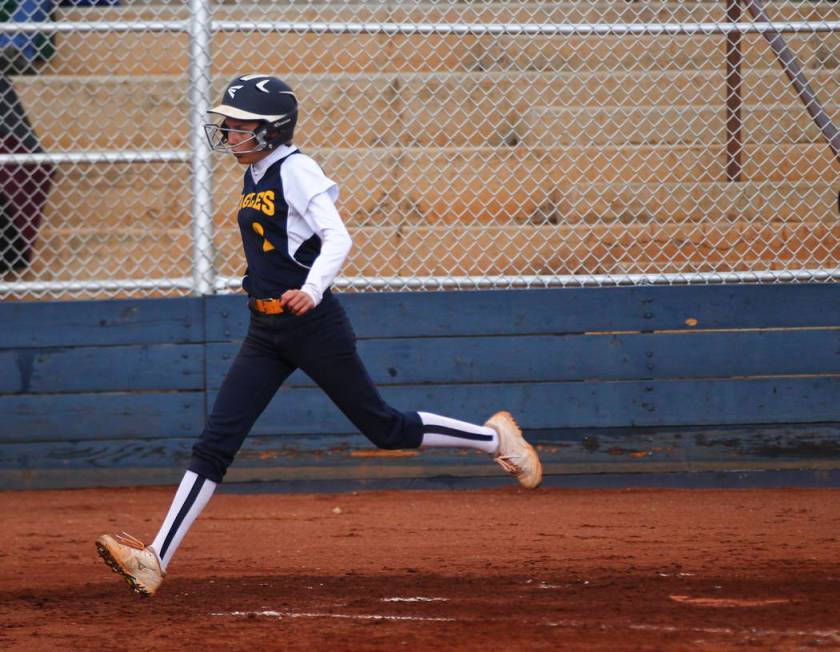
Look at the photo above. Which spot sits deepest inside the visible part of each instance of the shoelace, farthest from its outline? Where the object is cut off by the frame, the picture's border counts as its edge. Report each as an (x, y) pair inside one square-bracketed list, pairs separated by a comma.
[(507, 465), (127, 540)]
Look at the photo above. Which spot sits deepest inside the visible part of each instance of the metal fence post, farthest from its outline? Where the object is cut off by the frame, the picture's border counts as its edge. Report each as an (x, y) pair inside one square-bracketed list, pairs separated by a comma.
[(201, 163)]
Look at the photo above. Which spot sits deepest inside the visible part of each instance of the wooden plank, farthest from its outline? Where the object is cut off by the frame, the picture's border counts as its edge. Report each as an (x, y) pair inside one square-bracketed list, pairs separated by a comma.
[(612, 451), (102, 368), (587, 246), (161, 452), (587, 404), (564, 310), (444, 109), (653, 244), (768, 124), (655, 241), (683, 445), (81, 417), (569, 208), (778, 446), (281, 479), (539, 358), (77, 323), (429, 184), (428, 11), (167, 53)]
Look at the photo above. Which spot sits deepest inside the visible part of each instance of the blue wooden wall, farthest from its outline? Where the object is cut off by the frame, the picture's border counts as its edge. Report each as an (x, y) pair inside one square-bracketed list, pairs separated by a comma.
[(628, 379)]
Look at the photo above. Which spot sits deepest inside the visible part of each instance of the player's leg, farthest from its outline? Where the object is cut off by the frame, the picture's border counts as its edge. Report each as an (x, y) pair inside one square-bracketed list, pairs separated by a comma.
[(331, 360), (253, 379)]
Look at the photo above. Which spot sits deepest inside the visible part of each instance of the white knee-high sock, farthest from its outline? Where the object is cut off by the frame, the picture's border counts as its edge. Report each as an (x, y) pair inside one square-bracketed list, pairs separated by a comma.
[(443, 432), (193, 494)]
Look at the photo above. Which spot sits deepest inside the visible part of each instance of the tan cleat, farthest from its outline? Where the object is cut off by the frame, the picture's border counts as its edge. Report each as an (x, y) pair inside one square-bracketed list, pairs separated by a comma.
[(138, 564), (516, 456)]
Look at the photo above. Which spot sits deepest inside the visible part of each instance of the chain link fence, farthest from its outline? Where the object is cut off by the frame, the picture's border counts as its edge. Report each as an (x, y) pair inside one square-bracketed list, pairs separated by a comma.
[(476, 144)]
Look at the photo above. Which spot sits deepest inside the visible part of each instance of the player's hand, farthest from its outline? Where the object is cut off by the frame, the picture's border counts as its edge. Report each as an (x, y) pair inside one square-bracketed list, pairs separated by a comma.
[(297, 301)]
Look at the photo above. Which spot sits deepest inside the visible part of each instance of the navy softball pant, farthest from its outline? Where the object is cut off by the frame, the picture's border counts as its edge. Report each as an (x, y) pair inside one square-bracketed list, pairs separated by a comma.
[(321, 343)]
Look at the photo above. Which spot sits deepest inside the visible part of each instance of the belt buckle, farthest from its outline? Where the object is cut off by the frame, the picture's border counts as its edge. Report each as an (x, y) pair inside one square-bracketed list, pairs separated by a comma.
[(269, 306)]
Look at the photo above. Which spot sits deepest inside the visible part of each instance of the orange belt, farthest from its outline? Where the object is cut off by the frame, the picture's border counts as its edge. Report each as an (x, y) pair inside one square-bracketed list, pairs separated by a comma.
[(267, 306)]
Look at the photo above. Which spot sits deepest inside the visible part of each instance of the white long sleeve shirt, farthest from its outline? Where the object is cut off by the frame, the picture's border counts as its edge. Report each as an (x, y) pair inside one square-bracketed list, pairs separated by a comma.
[(310, 196)]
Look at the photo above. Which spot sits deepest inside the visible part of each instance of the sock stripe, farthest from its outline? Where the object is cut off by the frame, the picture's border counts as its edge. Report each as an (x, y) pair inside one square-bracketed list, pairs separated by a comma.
[(454, 432), (182, 513)]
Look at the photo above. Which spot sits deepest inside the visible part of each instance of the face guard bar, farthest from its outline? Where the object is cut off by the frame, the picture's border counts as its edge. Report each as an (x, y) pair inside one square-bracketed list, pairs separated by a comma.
[(217, 137), (266, 136)]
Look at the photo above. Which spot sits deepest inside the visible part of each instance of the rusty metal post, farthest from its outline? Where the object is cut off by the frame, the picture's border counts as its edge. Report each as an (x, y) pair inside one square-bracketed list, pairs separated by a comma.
[(793, 70), (734, 144)]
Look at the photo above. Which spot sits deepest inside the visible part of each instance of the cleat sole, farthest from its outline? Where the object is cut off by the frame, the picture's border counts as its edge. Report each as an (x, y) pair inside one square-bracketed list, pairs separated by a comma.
[(114, 566)]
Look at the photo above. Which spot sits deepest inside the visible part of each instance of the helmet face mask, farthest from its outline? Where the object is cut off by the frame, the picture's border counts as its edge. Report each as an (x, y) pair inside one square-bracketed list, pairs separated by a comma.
[(261, 98), (218, 138)]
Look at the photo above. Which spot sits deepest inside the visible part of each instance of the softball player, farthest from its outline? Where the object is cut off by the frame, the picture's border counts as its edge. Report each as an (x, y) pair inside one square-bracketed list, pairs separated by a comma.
[(295, 243)]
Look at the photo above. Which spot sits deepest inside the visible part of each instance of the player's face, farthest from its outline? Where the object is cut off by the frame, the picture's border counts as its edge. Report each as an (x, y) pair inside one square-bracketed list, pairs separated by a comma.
[(241, 140)]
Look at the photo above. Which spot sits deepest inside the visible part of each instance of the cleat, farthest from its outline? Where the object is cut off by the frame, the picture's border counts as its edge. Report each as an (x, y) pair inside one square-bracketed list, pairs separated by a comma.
[(138, 565), (516, 456)]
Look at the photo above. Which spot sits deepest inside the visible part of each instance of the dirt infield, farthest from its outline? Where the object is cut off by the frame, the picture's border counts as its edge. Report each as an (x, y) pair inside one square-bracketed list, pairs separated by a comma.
[(499, 569)]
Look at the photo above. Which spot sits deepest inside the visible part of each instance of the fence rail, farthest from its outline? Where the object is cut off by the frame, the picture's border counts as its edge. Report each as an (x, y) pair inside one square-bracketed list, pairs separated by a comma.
[(461, 29)]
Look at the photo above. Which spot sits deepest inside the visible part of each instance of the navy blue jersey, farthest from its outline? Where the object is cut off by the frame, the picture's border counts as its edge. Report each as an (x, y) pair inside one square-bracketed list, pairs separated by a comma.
[(263, 221)]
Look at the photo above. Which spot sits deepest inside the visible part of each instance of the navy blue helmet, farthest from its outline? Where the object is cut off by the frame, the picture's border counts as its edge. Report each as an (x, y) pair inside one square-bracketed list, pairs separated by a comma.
[(263, 98)]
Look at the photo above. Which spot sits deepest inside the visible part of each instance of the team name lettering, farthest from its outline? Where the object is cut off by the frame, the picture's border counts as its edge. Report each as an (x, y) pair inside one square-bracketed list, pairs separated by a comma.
[(260, 201)]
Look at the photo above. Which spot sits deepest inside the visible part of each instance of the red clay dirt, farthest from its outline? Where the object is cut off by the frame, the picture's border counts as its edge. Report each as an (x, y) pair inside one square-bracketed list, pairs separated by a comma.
[(498, 569)]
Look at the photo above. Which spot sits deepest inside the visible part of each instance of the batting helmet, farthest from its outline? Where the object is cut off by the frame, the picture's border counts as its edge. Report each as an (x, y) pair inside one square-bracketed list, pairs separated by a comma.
[(264, 98)]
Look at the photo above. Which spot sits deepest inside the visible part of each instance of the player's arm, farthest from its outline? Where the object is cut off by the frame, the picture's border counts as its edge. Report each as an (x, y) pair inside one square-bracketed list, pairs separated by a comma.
[(323, 218)]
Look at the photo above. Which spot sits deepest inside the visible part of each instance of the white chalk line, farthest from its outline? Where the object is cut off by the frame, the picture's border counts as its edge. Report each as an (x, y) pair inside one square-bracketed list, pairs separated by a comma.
[(415, 599), (300, 614)]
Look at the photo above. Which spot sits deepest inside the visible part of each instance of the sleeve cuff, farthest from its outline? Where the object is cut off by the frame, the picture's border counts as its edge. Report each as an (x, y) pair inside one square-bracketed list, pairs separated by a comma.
[(313, 293)]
